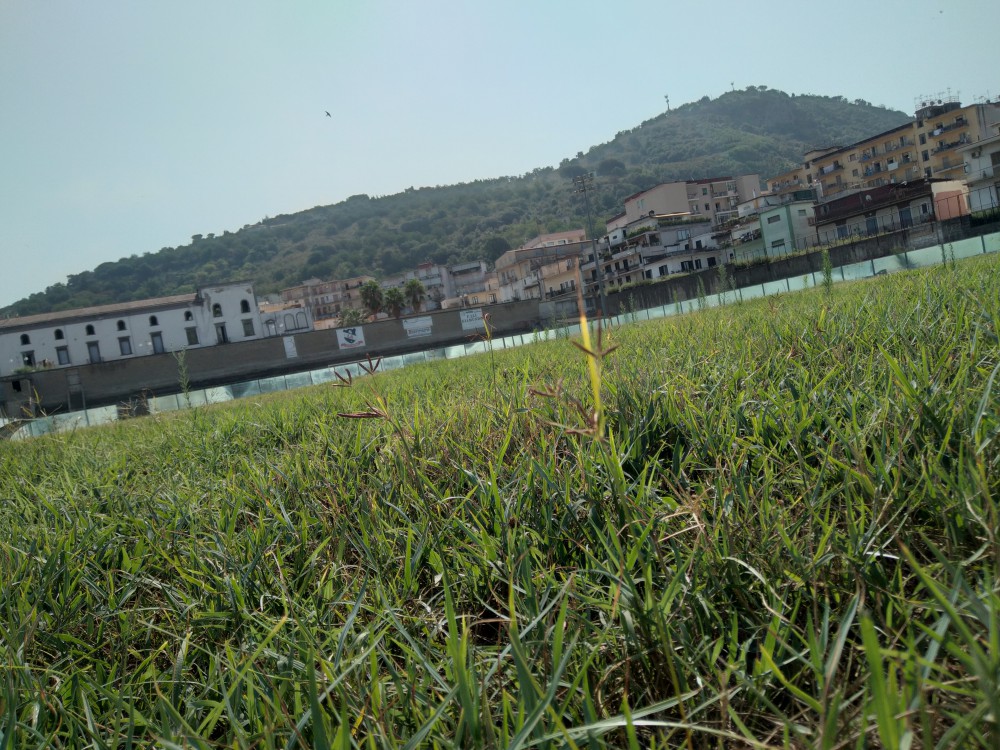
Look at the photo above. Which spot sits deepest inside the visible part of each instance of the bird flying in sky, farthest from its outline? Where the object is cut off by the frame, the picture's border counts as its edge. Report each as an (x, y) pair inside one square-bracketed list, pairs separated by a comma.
[(329, 115)]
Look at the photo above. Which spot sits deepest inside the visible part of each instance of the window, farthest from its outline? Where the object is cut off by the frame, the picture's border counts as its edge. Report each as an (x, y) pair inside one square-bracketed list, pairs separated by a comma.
[(62, 355), (924, 155), (245, 306), (153, 322), (156, 339), (802, 212), (704, 191), (25, 339), (777, 244), (493, 299), (90, 330), (683, 234), (216, 310), (697, 244), (220, 333), (188, 315), (59, 334), (121, 325), (125, 345), (94, 352), (708, 207), (774, 219), (852, 157), (28, 358), (192, 336), (711, 261), (854, 173), (697, 262), (248, 327)]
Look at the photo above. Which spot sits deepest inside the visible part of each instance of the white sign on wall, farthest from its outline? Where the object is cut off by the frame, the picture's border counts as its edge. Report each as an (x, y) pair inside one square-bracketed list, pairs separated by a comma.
[(351, 338), (472, 320), (416, 327), (290, 351)]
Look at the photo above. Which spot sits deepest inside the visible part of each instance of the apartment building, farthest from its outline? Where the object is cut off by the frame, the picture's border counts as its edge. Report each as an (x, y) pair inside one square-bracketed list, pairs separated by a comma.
[(531, 270), (887, 208), (927, 146), (436, 278), (982, 172), (325, 300), (714, 198), (787, 227), (658, 247)]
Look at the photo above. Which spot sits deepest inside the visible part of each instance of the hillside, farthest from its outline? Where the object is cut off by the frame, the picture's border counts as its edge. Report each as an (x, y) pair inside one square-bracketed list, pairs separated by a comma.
[(753, 130)]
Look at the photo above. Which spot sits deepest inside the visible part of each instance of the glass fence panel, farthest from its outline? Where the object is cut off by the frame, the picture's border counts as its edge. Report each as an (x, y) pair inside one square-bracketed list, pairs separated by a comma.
[(272, 385), (991, 242), (246, 389), (888, 264), (965, 248), (298, 380), (770, 288), (323, 376), (924, 257), (165, 403)]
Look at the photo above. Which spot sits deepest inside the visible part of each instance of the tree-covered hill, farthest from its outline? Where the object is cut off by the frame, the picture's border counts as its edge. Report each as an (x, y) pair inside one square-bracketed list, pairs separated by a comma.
[(754, 130)]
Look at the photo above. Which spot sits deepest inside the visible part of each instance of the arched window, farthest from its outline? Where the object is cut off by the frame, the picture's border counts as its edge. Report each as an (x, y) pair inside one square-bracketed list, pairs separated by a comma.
[(188, 315), (25, 339), (244, 306), (289, 322), (300, 320), (216, 310), (121, 325), (59, 334), (90, 330), (153, 322)]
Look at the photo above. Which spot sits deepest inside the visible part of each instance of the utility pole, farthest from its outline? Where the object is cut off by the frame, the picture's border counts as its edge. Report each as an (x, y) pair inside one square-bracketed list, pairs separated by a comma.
[(582, 184)]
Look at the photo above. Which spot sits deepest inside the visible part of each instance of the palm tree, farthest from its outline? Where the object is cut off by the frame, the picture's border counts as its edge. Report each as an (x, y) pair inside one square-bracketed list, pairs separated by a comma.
[(371, 297), (394, 301), (414, 292)]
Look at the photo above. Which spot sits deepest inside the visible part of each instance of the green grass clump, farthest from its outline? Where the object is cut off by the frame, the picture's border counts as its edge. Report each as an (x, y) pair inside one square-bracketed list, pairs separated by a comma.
[(771, 525)]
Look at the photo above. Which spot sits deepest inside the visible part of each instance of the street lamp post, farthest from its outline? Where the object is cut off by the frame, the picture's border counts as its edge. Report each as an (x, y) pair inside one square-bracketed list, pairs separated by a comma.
[(582, 184)]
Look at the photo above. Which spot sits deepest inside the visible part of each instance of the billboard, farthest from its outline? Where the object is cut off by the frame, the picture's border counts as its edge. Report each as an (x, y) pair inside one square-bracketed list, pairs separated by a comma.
[(472, 320), (416, 327), (351, 338)]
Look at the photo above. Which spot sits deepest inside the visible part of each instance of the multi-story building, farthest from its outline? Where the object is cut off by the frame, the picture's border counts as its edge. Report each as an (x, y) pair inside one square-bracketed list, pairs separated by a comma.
[(787, 227), (106, 333), (927, 146), (519, 273), (436, 278), (326, 300), (714, 198), (888, 208), (659, 246), (982, 172)]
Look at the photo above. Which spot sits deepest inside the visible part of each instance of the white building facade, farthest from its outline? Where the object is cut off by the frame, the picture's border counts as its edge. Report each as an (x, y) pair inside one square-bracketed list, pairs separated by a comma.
[(211, 316)]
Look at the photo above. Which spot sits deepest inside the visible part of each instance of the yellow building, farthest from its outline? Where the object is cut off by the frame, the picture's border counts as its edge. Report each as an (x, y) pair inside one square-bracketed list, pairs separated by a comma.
[(927, 146)]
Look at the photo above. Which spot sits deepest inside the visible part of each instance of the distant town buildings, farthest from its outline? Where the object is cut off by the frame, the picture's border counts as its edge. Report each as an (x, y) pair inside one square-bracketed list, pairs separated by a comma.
[(941, 165)]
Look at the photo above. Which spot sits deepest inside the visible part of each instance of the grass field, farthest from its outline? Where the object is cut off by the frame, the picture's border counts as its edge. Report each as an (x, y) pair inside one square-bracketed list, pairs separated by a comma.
[(772, 524)]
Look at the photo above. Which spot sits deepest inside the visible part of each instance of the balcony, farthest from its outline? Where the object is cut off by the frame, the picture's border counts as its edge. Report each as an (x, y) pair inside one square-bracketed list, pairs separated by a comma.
[(961, 122), (953, 144)]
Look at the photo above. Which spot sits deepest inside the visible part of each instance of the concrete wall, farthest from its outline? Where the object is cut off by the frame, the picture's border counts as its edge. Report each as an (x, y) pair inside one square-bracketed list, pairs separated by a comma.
[(110, 382)]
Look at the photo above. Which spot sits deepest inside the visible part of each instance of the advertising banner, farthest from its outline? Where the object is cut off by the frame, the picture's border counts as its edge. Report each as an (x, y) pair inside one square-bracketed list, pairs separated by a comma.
[(416, 327), (351, 338), (290, 351), (472, 320)]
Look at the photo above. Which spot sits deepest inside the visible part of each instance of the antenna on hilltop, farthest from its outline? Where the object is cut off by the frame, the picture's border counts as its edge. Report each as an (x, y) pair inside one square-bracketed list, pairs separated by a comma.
[(667, 97), (732, 85)]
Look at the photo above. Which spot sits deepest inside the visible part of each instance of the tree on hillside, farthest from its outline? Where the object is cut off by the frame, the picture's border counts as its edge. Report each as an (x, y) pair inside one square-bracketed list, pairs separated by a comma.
[(394, 301), (415, 293), (371, 297), (611, 167)]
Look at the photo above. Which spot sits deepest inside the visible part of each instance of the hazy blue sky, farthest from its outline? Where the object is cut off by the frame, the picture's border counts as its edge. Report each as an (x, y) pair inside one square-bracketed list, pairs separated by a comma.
[(129, 126)]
